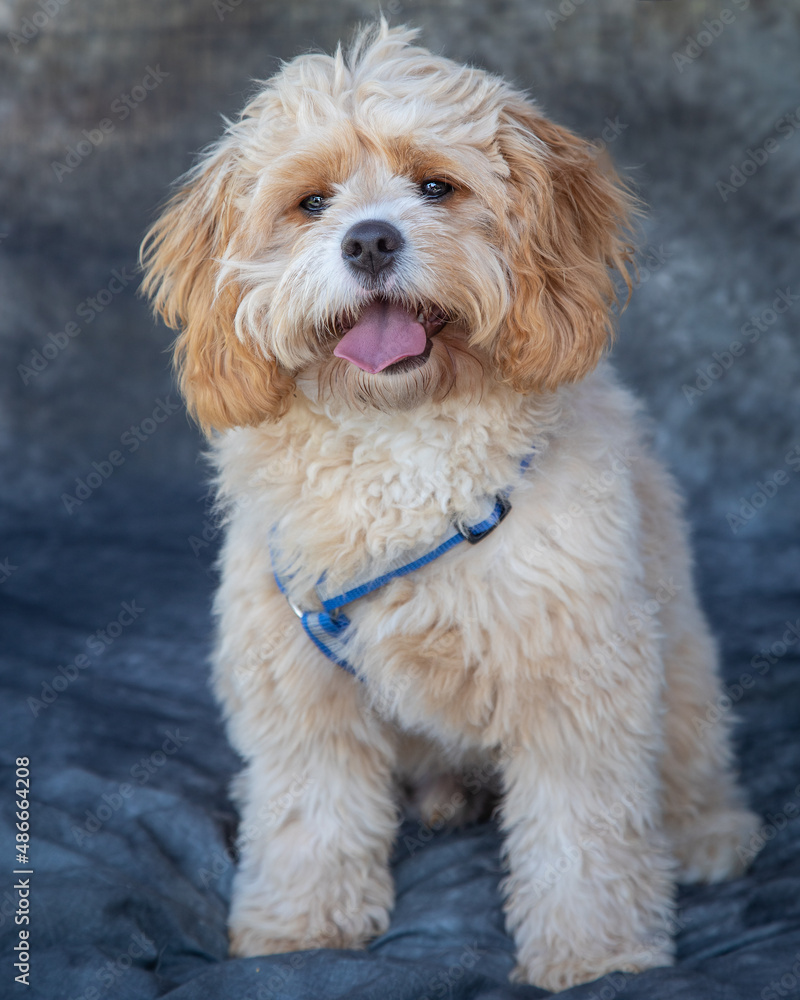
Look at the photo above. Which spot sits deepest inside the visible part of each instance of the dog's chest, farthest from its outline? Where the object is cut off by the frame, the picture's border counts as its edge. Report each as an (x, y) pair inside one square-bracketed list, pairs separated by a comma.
[(427, 644), (344, 499)]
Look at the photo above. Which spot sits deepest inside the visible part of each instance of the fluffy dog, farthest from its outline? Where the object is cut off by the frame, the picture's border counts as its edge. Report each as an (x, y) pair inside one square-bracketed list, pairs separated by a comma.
[(393, 279)]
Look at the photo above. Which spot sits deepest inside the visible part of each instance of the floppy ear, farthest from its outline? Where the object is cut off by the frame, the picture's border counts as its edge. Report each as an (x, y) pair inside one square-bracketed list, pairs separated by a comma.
[(566, 231), (225, 381)]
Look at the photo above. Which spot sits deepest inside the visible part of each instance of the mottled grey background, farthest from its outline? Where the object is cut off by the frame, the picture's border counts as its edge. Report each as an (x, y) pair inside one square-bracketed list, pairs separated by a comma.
[(680, 129), (684, 92)]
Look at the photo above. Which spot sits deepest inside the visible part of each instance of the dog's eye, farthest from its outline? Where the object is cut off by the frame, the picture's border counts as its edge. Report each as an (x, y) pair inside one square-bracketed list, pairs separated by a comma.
[(314, 203), (434, 189)]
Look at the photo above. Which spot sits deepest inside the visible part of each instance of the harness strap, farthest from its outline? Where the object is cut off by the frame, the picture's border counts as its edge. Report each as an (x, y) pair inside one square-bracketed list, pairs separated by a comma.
[(327, 629)]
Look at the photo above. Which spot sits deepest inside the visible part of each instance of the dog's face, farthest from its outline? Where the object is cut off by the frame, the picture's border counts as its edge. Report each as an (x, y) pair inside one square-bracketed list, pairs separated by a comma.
[(381, 230)]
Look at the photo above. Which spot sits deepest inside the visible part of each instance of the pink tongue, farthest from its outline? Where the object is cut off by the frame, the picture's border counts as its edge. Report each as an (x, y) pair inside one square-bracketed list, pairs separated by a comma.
[(385, 333)]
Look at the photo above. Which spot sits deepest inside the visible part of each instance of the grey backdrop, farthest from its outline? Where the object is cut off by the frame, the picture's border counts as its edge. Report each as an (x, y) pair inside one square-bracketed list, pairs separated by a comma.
[(682, 123), (104, 104)]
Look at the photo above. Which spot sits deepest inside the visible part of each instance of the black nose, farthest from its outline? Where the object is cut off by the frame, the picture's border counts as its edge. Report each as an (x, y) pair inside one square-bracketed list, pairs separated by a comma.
[(371, 246)]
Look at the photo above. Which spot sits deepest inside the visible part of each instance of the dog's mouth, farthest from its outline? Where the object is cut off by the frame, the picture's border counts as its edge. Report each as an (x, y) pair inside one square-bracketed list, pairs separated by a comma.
[(390, 337)]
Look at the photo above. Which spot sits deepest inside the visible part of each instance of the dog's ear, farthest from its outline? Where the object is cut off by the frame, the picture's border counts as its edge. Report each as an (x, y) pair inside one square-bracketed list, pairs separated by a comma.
[(225, 380), (566, 231)]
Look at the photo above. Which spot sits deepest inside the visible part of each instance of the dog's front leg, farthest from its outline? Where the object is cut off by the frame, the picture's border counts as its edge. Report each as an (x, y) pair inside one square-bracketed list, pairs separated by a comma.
[(591, 881), (316, 802), (317, 823)]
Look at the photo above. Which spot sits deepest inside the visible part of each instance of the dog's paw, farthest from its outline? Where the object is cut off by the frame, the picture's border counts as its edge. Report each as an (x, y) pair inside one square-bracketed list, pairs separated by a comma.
[(556, 973), (343, 920), (252, 938), (716, 845), (248, 942)]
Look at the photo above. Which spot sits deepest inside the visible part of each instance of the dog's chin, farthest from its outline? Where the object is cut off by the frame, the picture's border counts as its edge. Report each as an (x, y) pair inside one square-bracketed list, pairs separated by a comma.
[(447, 368)]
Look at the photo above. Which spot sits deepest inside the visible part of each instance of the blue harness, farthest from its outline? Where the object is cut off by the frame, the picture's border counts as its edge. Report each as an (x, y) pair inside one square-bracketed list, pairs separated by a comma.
[(328, 629)]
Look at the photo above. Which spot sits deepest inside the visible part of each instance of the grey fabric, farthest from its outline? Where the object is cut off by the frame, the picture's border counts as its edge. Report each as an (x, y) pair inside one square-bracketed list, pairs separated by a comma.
[(131, 884)]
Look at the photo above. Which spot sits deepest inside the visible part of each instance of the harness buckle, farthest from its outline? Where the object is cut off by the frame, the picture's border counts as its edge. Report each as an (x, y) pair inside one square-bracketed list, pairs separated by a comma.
[(501, 509), (298, 611)]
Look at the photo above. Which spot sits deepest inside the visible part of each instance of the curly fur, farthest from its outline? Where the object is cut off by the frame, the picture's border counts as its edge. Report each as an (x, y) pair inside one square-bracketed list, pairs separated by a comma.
[(566, 654)]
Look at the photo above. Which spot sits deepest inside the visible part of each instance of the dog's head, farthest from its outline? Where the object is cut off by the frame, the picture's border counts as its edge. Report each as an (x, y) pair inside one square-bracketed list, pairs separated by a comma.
[(386, 228)]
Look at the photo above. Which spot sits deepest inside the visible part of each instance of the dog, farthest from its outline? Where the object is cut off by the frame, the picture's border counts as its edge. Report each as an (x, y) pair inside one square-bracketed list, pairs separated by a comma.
[(449, 549)]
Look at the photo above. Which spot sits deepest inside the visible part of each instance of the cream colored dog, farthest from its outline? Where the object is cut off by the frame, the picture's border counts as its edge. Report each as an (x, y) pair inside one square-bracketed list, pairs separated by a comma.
[(393, 279)]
